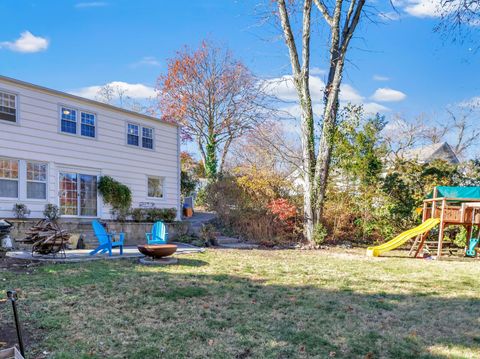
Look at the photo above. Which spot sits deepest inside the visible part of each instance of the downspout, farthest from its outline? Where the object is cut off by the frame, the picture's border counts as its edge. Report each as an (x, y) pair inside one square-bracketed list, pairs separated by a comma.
[(179, 201)]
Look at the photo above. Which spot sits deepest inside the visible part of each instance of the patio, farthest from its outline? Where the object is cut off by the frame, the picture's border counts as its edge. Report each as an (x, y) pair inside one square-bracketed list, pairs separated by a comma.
[(83, 255)]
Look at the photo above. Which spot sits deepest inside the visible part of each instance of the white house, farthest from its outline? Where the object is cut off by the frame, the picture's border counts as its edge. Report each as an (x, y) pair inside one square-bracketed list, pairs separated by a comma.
[(54, 146)]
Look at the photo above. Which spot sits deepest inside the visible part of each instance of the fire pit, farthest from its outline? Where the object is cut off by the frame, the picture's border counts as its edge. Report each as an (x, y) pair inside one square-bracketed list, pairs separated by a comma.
[(157, 253)]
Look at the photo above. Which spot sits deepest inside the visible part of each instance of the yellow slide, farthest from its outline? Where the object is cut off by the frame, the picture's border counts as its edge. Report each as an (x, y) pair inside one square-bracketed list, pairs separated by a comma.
[(402, 238)]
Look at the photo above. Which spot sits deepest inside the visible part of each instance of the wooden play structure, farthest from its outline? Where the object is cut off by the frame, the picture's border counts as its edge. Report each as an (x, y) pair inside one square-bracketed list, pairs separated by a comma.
[(446, 206)]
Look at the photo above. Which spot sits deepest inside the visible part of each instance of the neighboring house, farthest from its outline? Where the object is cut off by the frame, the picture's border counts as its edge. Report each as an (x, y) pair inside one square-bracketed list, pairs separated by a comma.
[(54, 147), (426, 154)]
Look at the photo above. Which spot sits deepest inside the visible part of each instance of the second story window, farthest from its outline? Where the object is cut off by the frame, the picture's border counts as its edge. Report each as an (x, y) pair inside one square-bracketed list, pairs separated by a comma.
[(69, 121), (88, 124), (147, 138), (132, 135), (8, 107), (140, 136), (83, 125)]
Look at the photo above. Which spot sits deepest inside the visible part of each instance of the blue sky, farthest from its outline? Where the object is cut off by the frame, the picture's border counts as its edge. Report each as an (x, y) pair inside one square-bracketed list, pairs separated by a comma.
[(74, 45)]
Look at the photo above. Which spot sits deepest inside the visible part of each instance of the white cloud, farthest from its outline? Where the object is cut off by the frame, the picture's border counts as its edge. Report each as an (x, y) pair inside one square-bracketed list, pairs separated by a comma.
[(317, 71), (349, 94), (284, 90), (373, 107), (380, 78), (26, 43), (147, 61), (423, 8), (388, 95), (134, 91), (83, 5)]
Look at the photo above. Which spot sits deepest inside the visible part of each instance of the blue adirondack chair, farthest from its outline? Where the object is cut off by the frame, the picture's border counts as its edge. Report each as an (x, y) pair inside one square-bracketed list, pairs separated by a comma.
[(159, 234), (106, 240)]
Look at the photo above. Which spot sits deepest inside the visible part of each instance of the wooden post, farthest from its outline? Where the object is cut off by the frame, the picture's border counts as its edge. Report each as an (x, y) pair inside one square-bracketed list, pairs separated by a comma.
[(424, 213), (441, 229), (434, 203)]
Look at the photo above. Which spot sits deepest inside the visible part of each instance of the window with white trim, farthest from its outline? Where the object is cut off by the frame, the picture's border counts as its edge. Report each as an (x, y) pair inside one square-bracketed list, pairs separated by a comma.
[(140, 136), (8, 107), (88, 124), (147, 137), (36, 180), (69, 121), (8, 178), (83, 125), (133, 134), (155, 187)]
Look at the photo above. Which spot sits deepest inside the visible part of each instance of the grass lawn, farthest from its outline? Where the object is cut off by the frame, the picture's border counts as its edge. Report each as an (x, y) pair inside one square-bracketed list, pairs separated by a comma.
[(252, 304)]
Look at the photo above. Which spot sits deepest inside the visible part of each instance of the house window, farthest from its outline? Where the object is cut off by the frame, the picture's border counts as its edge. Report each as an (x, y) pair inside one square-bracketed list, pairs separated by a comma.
[(36, 180), (88, 124), (69, 120), (132, 135), (155, 187), (8, 107), (147, 137), (9, 178)]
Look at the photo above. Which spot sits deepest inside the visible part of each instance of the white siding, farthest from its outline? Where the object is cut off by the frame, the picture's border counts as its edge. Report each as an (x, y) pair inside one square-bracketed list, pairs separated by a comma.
[(36, 137)]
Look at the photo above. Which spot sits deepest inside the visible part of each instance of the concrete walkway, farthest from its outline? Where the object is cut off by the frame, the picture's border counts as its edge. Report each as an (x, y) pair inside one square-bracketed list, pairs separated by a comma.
[(83, 255), (199, 219)]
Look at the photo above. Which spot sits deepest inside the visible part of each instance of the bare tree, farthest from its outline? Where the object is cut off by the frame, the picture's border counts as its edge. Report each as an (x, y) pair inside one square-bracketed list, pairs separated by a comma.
[(117, 96), (459, 21), (342, 18), (271, 147), (215, 98)]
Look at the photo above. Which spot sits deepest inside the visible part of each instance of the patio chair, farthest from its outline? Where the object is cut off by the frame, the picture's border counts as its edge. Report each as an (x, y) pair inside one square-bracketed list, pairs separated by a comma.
[(106, 240), (159, 234)]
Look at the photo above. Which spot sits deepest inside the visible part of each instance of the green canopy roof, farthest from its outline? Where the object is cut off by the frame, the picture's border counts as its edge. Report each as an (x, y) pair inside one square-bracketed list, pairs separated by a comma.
[(457, 192)]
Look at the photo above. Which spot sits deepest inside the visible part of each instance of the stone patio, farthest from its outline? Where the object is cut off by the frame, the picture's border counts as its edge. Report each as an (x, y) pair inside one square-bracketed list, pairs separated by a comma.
[(83, 255)]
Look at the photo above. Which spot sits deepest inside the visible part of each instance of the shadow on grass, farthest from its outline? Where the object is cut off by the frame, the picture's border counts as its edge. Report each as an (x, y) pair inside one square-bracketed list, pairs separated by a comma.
[(121, 311), (190, 262)]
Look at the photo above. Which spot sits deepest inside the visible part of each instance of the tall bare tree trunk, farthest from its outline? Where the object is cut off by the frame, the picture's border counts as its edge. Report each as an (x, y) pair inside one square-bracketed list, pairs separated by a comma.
[(301, 82), (340, 39)]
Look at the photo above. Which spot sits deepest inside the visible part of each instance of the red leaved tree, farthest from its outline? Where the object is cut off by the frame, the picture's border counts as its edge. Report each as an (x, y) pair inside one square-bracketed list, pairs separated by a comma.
[(214, 97)]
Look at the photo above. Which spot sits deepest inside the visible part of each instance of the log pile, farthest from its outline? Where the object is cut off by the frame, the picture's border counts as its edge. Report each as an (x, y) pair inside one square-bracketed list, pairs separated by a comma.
[(46, 237)]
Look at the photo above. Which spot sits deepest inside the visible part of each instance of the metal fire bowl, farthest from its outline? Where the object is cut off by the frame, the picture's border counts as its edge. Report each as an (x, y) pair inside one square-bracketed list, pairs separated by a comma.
[(157, 250)]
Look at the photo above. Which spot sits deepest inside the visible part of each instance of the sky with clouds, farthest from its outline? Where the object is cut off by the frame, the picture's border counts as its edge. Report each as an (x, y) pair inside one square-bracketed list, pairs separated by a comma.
[(397, 63)]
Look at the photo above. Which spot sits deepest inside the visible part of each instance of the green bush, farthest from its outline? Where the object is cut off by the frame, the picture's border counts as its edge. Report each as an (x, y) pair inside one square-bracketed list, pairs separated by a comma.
[(320, 233), (201, 197), (117, 195), (160, 214), (51, 211), (138, 214), (21, 210)]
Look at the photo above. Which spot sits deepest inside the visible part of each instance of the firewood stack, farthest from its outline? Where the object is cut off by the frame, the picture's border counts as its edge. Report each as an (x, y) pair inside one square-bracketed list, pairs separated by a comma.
[(46, 237)]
